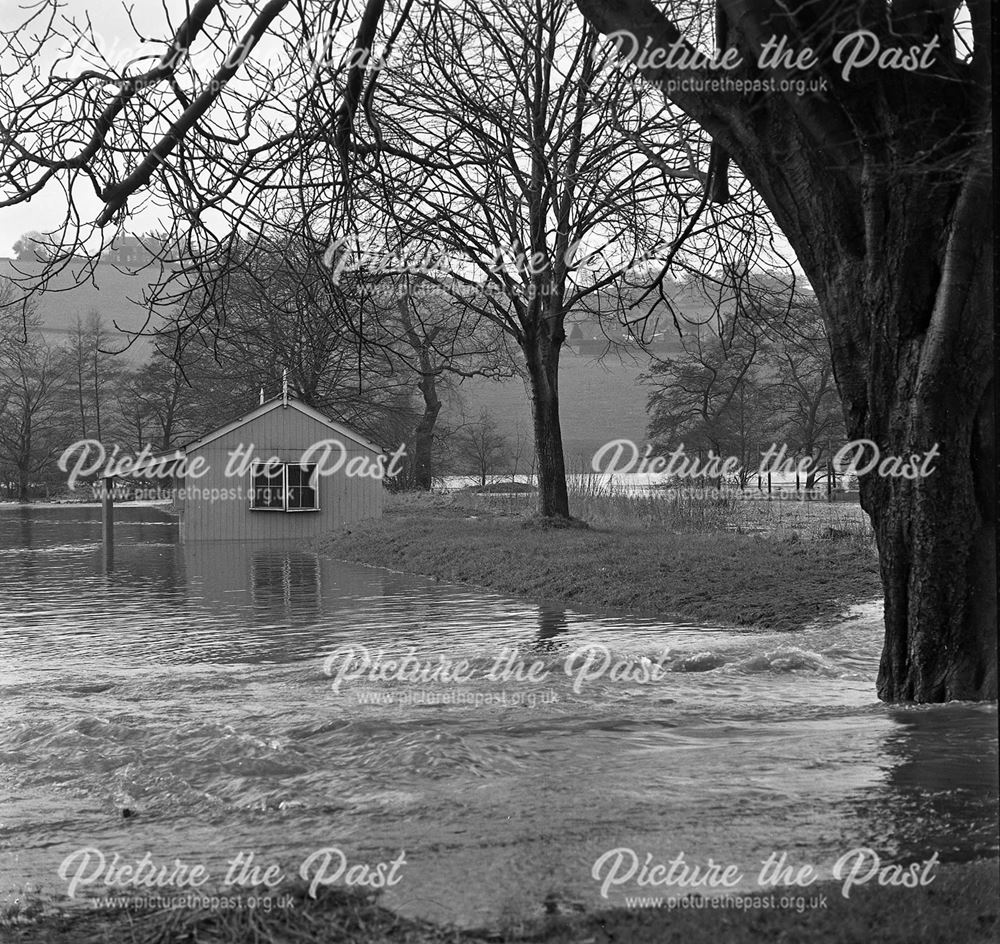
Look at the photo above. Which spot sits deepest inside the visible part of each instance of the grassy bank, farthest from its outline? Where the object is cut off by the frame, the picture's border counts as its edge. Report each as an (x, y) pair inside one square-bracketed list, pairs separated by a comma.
[(959, 906), (693, 563)]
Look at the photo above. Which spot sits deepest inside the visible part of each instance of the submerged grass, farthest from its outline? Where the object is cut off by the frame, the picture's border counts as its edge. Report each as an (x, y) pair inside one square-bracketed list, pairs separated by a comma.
[(773, 567), (959, 906)]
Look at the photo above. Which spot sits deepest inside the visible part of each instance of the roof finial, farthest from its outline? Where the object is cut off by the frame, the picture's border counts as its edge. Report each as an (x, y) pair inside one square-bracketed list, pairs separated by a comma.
[(284, 387)]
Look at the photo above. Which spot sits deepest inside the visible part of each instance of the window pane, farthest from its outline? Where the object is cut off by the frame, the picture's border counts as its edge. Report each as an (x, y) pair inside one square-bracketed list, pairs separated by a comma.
[(268, 489), (301, 487)]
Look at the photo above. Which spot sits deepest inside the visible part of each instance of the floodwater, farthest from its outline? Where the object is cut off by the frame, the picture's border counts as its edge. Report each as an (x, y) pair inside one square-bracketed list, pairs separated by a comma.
[(194, 686)]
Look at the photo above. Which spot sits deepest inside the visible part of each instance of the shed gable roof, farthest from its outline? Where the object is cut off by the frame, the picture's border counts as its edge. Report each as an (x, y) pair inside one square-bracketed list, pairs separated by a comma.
[(279, 404)]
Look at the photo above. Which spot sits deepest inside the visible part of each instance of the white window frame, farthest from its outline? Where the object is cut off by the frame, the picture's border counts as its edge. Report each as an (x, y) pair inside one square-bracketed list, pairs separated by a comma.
[(258, 467)]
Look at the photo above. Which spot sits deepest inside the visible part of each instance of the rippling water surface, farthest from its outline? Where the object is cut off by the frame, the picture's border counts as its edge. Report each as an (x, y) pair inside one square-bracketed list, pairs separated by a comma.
[(190, 685)]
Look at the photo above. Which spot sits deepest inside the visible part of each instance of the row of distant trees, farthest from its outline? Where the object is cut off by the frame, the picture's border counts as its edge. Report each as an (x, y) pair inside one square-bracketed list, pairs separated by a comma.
[(763, 377), (53, 394)]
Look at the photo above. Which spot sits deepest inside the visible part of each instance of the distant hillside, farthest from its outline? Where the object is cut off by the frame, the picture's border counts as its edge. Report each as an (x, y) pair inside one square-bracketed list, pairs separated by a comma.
[(115, 294), (598, 403), (650, 316)]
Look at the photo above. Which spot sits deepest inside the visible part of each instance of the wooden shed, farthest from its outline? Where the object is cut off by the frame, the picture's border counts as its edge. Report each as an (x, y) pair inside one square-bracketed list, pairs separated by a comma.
[(247, 481)]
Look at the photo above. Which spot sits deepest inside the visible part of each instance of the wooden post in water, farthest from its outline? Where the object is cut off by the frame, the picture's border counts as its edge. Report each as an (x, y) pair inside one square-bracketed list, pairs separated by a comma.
[(831, 476), (108, 513)]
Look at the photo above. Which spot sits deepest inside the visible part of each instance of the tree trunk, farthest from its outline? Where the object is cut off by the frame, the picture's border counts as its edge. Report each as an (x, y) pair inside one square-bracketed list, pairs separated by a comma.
[(937, 534), (97, 387), (542, 358), (937, 551), (168, 432), (903, 275), (423, 438), (923, 311), (811, 481)]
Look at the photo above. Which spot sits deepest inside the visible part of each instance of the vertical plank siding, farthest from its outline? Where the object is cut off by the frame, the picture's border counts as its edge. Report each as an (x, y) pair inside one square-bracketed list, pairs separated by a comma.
[(285, 434)]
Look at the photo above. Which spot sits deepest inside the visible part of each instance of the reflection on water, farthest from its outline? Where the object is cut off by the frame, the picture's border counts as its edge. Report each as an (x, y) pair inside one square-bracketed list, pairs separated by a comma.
[(289, 582), (941, 767), (189, 684), (552, 623)]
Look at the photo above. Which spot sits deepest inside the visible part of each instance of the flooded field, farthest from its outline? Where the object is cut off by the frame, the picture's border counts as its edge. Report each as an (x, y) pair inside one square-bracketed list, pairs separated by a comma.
[(221, 695)]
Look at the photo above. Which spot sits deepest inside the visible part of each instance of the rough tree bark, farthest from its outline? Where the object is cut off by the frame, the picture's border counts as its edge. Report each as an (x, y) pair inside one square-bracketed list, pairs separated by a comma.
[(882, 186), (910, 323), (541, 348), (423, 435), (23, 485), (903, 276)]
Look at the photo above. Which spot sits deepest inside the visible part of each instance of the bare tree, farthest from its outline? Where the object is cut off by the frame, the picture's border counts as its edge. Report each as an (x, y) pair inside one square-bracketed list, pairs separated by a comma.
[(809, 415), (164, 404), (30, 383), (431, 336), (279, 322), (537, 177), (354, 342), (767, 376), (713, 397), (481, 446), (94, 379)]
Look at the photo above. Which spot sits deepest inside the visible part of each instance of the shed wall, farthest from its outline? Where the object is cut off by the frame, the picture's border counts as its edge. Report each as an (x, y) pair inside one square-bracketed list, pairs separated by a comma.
[(217, 507)]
